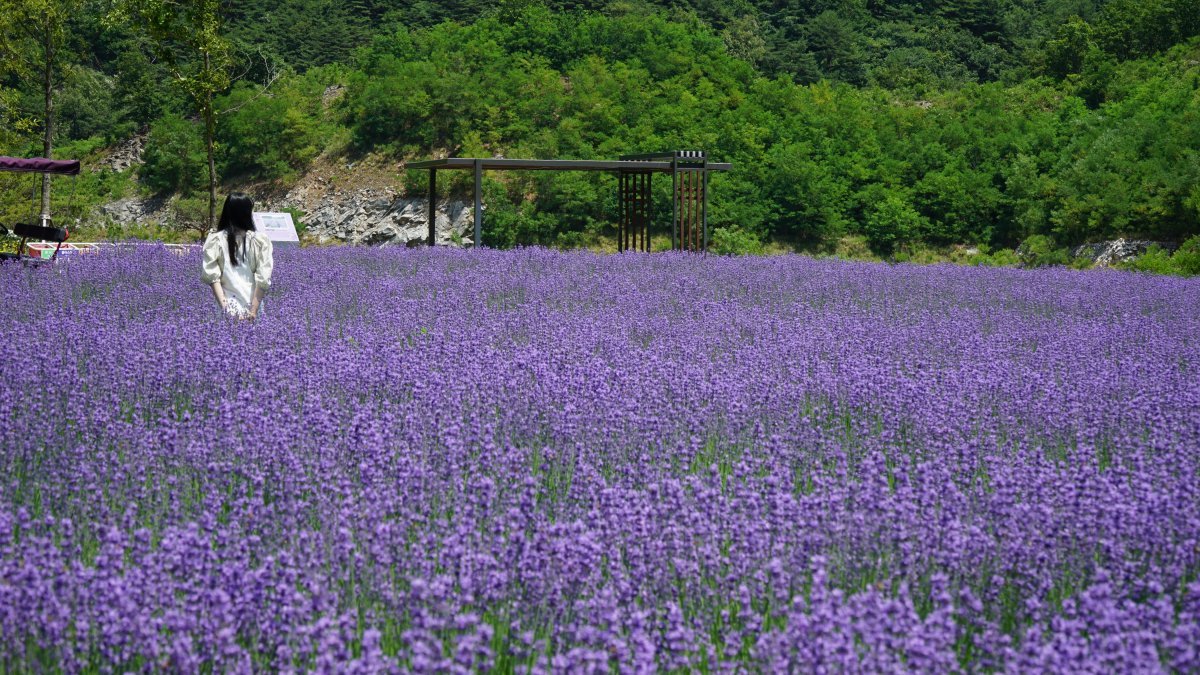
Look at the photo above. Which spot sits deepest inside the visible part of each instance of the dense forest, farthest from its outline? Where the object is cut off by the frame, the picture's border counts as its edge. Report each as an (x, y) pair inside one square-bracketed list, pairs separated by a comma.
[(899, 123)]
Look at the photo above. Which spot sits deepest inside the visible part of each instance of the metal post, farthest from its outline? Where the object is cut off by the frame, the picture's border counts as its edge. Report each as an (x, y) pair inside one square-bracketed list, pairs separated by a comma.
[(627, 211), (684, 237), (639, 214), (688, 212), (705, 207), (478, 203), (635, 220), (693, 240), (649, 213), (695, 207), (675, 202), (635, 208), (432, 206), (620, 209)]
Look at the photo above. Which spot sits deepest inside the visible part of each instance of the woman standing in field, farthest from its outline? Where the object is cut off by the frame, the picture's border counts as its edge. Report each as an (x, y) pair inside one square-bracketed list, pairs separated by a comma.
[(238, 261)]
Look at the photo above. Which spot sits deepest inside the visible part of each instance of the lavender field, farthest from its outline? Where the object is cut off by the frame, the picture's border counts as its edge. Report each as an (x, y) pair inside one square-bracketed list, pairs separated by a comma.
[(531, 461)]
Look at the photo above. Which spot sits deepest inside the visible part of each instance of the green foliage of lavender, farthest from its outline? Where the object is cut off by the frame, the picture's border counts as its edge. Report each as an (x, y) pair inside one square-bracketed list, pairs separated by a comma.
[(529, 461)]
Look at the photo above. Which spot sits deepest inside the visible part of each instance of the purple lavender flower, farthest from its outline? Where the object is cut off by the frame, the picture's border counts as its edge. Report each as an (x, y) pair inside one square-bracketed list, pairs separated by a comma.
[(534, 461)]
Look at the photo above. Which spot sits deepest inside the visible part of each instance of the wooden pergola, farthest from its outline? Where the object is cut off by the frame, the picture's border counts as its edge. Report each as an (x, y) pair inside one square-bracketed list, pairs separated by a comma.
[(689, 171)]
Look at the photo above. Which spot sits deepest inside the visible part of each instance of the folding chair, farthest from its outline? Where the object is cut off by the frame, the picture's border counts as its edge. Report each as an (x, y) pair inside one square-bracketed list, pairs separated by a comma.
[(26, 232)]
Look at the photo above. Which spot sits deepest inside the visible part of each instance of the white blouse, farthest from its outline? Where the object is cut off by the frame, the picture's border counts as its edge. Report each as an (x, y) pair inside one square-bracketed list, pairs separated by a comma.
[(255, 264)]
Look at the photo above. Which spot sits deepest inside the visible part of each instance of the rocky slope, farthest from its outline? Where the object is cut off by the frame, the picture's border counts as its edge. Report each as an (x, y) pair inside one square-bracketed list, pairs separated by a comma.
[(352, 202), (373, 213)]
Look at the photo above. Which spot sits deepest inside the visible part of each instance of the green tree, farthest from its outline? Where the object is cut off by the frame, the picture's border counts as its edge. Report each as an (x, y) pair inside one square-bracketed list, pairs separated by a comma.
[(13, 122), (36, 32), (890, 220), (1067, 51), (1040, 250), (811, 201), (1133, 28), (174, 156), (85, 104), (743, 38), (266, 135), (836, 46), (1132, 168), (187, 34), (141, 90)]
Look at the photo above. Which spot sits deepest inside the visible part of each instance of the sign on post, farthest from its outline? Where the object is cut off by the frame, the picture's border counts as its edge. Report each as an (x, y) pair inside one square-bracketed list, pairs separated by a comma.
[(278, 227)]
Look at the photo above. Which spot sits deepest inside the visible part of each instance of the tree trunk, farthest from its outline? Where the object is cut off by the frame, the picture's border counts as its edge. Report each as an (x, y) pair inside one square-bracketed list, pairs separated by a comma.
[(209, 131), (48, 138)]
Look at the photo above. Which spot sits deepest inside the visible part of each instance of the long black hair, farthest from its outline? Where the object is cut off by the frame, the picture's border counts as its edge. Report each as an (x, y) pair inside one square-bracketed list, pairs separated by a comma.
[(237, 217)]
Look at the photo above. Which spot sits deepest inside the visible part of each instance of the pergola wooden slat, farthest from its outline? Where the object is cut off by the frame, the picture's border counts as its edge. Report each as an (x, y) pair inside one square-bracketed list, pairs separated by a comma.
[(689, 171)]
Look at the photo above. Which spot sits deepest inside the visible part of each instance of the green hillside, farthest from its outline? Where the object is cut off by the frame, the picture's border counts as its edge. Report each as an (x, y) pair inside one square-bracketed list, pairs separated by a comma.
[(902, 124)]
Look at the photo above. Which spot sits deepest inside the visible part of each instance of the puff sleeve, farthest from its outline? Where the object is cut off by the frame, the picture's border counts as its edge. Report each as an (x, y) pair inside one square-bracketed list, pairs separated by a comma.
[(266, 261), (210, 270)]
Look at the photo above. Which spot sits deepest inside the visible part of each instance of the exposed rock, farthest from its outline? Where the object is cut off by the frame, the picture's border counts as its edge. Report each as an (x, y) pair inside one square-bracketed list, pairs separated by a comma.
[(126, 154), (363, 217), (331, 94), (1111, 253), (366, 218), (134, 210), (352, 201)]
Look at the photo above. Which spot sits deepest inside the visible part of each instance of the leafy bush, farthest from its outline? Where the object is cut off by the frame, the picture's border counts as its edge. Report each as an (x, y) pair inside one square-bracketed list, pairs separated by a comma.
[(511, 220), (890, 221), (734, 241), (1003, 257), (174, 156), (189, 216), (267, 134), (1186, 259), (920, 255), (1185, 262), (297, 219), (1040, 251), (85, 105), (1155, 261), (854, 247)]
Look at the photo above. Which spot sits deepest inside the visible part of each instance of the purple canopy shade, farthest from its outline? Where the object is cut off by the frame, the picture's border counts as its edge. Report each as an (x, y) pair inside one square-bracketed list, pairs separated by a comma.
[(68, 167)]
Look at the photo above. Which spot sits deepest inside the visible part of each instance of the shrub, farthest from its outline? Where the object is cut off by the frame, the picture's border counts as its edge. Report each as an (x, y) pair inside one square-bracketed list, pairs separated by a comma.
[(918, 255), (854, 247), (1187, 259), (734, 241), (889, 222), (1003, 257), (1185, 262), (1155, 261), (174, 156), (189, 216), (268, 135), (1040, 251), (569, 240), (1081, 263), (298, 219)]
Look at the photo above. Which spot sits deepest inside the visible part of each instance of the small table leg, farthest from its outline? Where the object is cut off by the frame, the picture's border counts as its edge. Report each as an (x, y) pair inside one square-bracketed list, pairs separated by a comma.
[(478, 203), (432, 206)]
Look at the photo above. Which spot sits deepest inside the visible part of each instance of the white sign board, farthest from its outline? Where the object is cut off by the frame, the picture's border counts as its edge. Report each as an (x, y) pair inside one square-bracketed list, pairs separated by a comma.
[(277, 226)]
